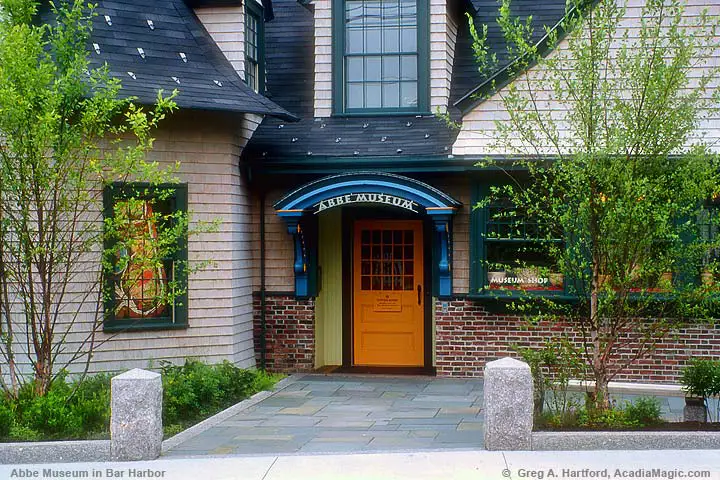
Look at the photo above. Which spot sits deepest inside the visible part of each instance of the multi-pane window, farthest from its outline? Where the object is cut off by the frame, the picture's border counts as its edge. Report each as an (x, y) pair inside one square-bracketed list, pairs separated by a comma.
[(709, 229), (254, 46), (146, 277), (380, 55), (387, 260), (517, 251)]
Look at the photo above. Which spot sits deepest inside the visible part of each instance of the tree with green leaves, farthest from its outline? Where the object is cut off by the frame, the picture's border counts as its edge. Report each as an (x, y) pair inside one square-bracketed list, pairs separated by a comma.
[(605, 160), (65, 136)]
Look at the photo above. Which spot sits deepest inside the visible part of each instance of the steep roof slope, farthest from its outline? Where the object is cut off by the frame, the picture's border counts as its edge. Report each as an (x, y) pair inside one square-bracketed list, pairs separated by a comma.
[(466, 76), (177, 53)]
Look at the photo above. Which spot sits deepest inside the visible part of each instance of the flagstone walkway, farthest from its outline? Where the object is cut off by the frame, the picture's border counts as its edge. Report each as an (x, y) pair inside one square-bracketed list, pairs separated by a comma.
[(349, 413)]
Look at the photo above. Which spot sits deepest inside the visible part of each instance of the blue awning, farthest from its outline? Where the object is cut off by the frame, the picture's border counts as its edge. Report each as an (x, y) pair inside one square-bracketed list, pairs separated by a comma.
[(366, 188)]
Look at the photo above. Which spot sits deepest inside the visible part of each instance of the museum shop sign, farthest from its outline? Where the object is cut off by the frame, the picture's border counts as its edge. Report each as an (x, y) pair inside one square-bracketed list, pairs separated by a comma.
[(372, 198)]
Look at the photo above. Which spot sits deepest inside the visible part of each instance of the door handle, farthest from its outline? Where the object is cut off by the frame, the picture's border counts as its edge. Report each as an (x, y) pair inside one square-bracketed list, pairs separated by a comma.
[(419, 290)]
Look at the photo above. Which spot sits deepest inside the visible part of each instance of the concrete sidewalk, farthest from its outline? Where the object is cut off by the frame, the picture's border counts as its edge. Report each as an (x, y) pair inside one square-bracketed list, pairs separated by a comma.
[(444, 465)]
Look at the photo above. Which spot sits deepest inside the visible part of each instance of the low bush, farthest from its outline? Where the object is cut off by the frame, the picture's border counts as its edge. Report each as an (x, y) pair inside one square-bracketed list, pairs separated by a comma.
[(553, 365), (70, 410), (643, 412), (81, 410), (6, 419), (701, 378), (614, 418), (197, 390)]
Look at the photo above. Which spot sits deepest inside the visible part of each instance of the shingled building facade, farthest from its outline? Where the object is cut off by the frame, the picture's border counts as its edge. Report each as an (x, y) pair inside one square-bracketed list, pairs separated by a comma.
[(315, 130)]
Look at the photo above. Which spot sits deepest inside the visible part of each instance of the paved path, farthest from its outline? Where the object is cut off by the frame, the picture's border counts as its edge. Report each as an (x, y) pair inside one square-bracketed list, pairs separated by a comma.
[(335, 413)]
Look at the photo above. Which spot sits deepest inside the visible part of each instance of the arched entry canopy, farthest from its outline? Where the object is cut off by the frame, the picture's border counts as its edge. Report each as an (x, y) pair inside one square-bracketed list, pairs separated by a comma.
[(375, 188), (370, 189)]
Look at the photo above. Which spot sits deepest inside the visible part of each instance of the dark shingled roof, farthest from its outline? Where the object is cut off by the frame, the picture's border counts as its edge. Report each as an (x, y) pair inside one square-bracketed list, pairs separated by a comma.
[(175, 29), (466, 76), (289, 61)]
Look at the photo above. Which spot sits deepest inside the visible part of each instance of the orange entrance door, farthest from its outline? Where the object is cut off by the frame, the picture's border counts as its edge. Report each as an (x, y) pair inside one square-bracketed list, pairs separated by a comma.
[(387, 293)]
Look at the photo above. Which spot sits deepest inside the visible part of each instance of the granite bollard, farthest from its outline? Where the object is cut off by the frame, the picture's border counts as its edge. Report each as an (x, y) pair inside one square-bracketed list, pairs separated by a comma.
[(695, 410), (136, 430), (508, 395)]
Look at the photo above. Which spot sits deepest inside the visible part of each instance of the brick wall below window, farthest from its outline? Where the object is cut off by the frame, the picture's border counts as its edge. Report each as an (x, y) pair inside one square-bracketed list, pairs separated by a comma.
[(289, 334), (468, 336)]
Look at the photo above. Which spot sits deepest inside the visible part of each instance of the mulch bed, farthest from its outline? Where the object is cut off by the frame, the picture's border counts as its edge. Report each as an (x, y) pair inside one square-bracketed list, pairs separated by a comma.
[(660, 427)]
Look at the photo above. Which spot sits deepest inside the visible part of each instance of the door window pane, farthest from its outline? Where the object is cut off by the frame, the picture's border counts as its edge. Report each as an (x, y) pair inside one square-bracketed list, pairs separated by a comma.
[(393, 269)]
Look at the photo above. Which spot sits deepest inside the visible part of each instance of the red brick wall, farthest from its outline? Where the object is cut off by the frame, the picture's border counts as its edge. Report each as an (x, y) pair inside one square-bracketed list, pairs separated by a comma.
[(468, 336), (289, 334)]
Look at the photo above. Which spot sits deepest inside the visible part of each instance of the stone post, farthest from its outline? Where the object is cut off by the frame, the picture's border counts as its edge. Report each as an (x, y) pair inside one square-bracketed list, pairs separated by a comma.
[(508, 395), (695, 410), (136, 430)]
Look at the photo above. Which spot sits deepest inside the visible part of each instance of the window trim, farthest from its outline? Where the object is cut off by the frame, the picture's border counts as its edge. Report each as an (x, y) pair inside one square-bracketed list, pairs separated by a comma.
[(478, 221), (253, 8), (338, 56), (180, 307), (478, 273)]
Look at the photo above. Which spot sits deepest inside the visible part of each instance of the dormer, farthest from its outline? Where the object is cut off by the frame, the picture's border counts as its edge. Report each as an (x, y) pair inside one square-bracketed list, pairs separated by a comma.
[(237, 27), (376, 57)]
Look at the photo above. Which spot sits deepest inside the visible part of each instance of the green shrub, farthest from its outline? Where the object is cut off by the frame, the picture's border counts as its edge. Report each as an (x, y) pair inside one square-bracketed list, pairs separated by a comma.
[(701, 378), (644, 411), (68, 410), (557, 420), (91, 403), (612, 418), (76, 410), (553, 366), (22, 433), (6, 419), (196, 390), (52, 414)]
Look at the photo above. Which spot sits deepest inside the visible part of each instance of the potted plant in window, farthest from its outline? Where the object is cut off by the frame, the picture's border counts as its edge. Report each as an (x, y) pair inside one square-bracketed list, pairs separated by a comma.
[(700, 380)]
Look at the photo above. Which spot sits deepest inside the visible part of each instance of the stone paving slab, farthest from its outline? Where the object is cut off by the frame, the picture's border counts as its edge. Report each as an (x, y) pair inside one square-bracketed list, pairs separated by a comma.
[(350, 413)]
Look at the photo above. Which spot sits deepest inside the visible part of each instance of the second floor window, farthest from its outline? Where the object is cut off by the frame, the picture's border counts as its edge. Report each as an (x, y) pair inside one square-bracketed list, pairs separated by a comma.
[(382, 56), (254, 64)]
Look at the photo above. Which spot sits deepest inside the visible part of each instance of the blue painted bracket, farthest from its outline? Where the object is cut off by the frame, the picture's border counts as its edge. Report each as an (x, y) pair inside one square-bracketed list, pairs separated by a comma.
[(301, 258), (441, 224)]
